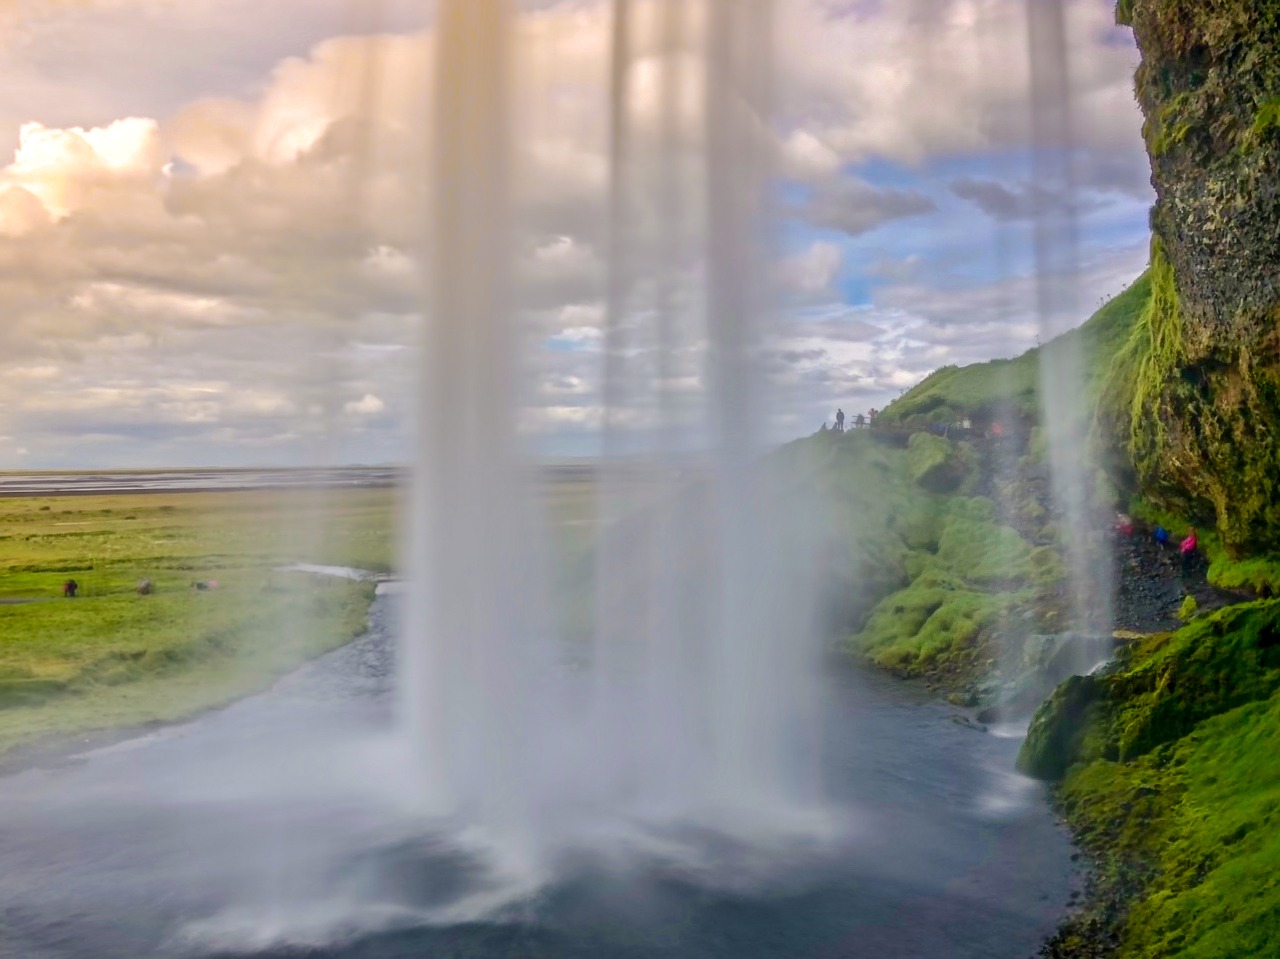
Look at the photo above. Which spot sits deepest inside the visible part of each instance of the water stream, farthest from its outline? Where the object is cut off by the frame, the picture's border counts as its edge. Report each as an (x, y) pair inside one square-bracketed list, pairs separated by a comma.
[(278, 827)]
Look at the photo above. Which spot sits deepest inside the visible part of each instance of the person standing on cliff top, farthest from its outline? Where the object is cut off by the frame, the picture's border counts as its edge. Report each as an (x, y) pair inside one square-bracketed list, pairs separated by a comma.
[(1188, 550), (839, 421)]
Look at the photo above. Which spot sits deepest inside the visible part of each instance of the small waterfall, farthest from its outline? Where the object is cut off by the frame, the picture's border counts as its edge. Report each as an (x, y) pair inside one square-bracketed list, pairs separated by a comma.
[(701, 698), (1063, 376)]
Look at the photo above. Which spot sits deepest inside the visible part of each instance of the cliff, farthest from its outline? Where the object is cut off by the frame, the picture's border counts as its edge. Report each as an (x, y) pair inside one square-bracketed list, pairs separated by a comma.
[(1167, 763), (1199, 411)]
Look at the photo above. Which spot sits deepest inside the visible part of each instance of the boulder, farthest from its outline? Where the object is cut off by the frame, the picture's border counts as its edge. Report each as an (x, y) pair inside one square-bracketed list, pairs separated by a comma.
[(1057, 732)]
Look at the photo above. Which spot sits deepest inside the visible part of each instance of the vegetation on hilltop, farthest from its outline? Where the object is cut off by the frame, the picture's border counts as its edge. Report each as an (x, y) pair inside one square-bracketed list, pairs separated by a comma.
[(1010, 388)]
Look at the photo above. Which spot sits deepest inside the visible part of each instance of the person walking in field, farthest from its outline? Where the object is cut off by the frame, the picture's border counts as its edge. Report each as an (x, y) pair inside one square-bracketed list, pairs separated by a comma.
[(1188, 550), (70, 588)]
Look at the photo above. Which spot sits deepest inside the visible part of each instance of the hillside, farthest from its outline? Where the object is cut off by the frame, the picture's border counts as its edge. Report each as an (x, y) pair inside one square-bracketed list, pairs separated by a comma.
[(1166, 763), (990, 391)]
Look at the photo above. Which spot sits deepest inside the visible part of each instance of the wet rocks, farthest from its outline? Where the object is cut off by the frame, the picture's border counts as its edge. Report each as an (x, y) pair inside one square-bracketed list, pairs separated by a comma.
[(1053, 742)]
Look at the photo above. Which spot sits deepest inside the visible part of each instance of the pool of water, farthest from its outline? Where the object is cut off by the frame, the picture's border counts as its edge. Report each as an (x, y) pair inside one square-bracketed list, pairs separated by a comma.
[(282, 826)]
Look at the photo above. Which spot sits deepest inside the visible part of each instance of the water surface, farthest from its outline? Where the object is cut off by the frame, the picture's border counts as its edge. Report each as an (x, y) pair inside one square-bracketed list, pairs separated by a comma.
[(281, 827)]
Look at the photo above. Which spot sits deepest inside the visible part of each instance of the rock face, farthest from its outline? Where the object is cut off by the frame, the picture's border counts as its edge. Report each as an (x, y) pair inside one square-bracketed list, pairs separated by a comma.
[(1158, 691), (1055, 738), (1206, 401)]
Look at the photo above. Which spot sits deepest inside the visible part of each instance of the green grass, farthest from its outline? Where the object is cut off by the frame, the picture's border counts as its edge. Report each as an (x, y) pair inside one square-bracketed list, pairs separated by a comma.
[(114, 658), (1002, 388), (1173, 784), (95, 664), (926, 576)]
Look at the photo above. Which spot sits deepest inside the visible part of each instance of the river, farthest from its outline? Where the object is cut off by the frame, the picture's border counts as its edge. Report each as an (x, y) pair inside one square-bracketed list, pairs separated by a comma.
[(277, 827)]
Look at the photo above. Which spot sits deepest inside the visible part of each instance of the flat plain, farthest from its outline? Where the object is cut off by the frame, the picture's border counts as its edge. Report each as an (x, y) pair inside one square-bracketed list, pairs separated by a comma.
[(113, 658)]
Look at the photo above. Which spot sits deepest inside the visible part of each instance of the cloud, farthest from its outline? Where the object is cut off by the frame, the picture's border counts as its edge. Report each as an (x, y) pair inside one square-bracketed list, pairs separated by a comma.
[(216, 246), (855, 207), (894, 81), (1024, 201), (812, 271), (367, 405)]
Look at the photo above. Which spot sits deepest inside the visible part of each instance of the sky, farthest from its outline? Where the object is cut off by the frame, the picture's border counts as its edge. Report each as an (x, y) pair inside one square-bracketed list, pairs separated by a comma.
[(212, 214)]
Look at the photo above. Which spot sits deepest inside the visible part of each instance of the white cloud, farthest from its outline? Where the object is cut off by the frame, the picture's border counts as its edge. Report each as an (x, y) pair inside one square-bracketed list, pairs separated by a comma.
[(222, 242), (813, 270), (367, 405)]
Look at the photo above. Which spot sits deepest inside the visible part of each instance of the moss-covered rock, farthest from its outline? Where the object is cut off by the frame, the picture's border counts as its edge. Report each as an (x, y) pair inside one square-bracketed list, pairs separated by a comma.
[(1161, 690), (940, 465), (1206, 668), (1205, 403), (1184, 838), (1054, 740)]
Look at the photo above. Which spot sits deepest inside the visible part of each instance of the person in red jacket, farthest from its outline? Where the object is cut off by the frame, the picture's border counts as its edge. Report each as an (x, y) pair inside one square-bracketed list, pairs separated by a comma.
[(1188, 550)]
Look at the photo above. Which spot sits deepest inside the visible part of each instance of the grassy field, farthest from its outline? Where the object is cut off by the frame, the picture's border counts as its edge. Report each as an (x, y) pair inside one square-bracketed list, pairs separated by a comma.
[(112, 658)]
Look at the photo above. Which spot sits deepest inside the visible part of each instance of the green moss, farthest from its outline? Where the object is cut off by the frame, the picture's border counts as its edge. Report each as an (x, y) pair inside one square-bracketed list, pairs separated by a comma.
[(1208, 667), (1129, 421), (1003, 389), (1056, 737), (917, 578), (1166, 686), (1173, 125), (933, 618), (1197, 830), (940, 465), (964, 578), (1188, 608), (1267, 119)]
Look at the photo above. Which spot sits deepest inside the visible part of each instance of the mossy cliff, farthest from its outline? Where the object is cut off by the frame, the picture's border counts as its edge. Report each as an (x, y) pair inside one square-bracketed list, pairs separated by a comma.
[(1169, 764), (1201, 375), (1170, 774)]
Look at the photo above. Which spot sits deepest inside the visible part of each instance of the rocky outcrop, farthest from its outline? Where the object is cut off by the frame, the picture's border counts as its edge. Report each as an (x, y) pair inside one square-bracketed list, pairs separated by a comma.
[(1054, 740), (1205, 396)]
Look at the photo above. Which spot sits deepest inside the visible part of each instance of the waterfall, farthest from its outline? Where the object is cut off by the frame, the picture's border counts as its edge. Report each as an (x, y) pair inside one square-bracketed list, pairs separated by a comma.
[(700, 702), (1063, 377)]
